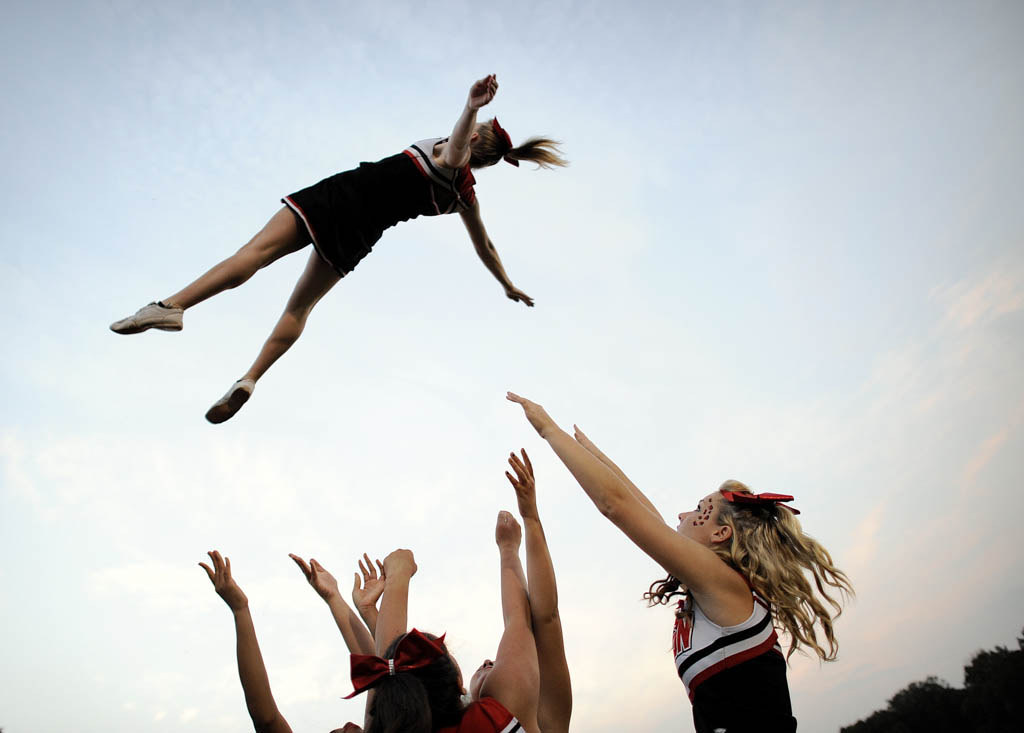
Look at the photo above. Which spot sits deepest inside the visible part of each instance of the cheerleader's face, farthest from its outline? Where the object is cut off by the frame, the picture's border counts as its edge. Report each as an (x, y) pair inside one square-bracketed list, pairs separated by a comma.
[(479, 677), (701, 524)]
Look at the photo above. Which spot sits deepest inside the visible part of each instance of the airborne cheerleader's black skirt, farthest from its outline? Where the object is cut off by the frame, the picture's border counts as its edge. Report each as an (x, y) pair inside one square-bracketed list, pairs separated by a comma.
[(347, 213)]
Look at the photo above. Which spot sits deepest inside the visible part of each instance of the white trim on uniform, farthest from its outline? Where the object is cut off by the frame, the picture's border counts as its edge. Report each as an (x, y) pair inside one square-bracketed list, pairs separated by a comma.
[(312, 233), (512, 727), (421, 153), (713, 648)]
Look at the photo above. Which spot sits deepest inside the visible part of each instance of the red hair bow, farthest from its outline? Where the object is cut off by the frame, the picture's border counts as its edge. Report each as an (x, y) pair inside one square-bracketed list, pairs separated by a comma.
[(744, 497), (415, 650), (505, 138)]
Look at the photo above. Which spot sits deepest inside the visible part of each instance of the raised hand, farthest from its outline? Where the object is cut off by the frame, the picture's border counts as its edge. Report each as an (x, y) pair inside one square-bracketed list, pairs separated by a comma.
[(321, 580), (223, 583), (523, 483), (536, 414), (399, 563), (482, 92), (507, 532), (514, 293), (367, 591)]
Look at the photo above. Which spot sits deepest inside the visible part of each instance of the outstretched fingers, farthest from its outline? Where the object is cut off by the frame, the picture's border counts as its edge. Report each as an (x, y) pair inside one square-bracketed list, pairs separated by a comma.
[(522, 466), (306, 571), (369, 571)]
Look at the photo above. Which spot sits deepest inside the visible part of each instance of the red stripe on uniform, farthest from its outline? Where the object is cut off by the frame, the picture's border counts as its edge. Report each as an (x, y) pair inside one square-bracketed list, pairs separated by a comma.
[(732, 661), (419, 165)]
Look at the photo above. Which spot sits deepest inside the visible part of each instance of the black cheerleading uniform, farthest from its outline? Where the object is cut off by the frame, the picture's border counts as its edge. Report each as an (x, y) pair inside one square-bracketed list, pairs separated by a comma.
[(735, 676), (347, 213)]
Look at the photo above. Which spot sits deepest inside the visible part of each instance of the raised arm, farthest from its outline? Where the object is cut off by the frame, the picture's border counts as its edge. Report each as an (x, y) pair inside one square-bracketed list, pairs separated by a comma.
[(357, 638), (366, 592), (587, 443), (399, 567), (259, 700), (716, 585), (456, 151), (487, 253), (514, 681), (554, 706)]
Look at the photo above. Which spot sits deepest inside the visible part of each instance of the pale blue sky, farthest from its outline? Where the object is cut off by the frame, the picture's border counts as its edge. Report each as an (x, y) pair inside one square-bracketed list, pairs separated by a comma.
[(788, 250)]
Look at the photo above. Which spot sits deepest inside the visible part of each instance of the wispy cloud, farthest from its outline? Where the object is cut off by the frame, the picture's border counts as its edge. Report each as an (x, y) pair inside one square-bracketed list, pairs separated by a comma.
[(976, 302)]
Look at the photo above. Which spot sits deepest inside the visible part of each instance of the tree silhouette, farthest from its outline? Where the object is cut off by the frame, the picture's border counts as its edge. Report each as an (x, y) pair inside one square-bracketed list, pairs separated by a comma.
[(994, 687), (992, 700)]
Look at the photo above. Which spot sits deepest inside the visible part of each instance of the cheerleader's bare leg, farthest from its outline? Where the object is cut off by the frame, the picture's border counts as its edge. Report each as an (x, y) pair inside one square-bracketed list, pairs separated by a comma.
[(282, 235), (316, 280)]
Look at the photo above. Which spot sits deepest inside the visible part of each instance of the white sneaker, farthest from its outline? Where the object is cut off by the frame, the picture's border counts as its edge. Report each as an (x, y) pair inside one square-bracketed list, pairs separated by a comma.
[(226, 407), (154, 315)]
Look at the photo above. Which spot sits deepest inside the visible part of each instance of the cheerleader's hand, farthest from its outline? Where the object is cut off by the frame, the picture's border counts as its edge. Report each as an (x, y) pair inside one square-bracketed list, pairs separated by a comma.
[(317, 576), (366, 592), (507, 532), (536, 414), (514, 293), (482, 92), (399, 564), (523, 483), (223, 583)]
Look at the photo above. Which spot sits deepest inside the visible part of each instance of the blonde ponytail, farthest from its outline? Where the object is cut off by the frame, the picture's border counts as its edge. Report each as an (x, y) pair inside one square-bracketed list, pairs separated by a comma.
[(490, 148)]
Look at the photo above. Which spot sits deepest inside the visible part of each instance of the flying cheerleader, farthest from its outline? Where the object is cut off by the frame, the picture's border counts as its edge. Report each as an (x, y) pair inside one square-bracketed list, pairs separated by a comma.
[(344, 215)]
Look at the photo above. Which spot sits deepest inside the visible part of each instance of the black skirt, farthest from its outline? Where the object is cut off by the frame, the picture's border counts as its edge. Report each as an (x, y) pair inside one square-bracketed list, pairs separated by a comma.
[(347, 213)]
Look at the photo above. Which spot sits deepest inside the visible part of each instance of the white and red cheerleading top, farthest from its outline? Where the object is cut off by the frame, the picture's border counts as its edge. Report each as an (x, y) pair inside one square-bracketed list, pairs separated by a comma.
[(735, 676), (455, 184)]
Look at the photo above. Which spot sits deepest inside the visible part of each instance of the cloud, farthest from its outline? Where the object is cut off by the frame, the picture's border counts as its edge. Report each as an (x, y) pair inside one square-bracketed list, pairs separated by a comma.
[(976, 302)]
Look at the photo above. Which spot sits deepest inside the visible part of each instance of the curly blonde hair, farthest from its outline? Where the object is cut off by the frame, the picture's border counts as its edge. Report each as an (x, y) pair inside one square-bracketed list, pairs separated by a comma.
[(770, 549), (489, 149)]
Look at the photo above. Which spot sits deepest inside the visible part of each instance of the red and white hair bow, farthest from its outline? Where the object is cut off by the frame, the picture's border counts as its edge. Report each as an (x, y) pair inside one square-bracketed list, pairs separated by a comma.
[(746, 497), (506, 139), (414, 651)]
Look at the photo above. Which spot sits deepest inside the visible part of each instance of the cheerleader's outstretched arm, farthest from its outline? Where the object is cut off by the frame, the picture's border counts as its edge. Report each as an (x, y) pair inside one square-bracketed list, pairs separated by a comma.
[(357, 638), (587, 443), (514, 680), (716, 586), (554, 706), (489, 255), (393, 620), (259, 700), (456, 151), (366, 592)]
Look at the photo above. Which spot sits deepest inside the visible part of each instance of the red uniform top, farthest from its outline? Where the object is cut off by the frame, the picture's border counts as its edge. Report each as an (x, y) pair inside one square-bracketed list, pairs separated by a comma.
[(486, 715)]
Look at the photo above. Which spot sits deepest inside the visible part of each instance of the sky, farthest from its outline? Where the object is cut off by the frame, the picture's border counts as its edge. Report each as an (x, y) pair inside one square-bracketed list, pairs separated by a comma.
[(788, 250)]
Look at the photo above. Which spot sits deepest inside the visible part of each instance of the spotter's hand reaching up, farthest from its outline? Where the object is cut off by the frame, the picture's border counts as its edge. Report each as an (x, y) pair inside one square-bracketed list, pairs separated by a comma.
[(367, 592), (536, 414), (223, 583), (507, 532), (318, 577), (524, 485)]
